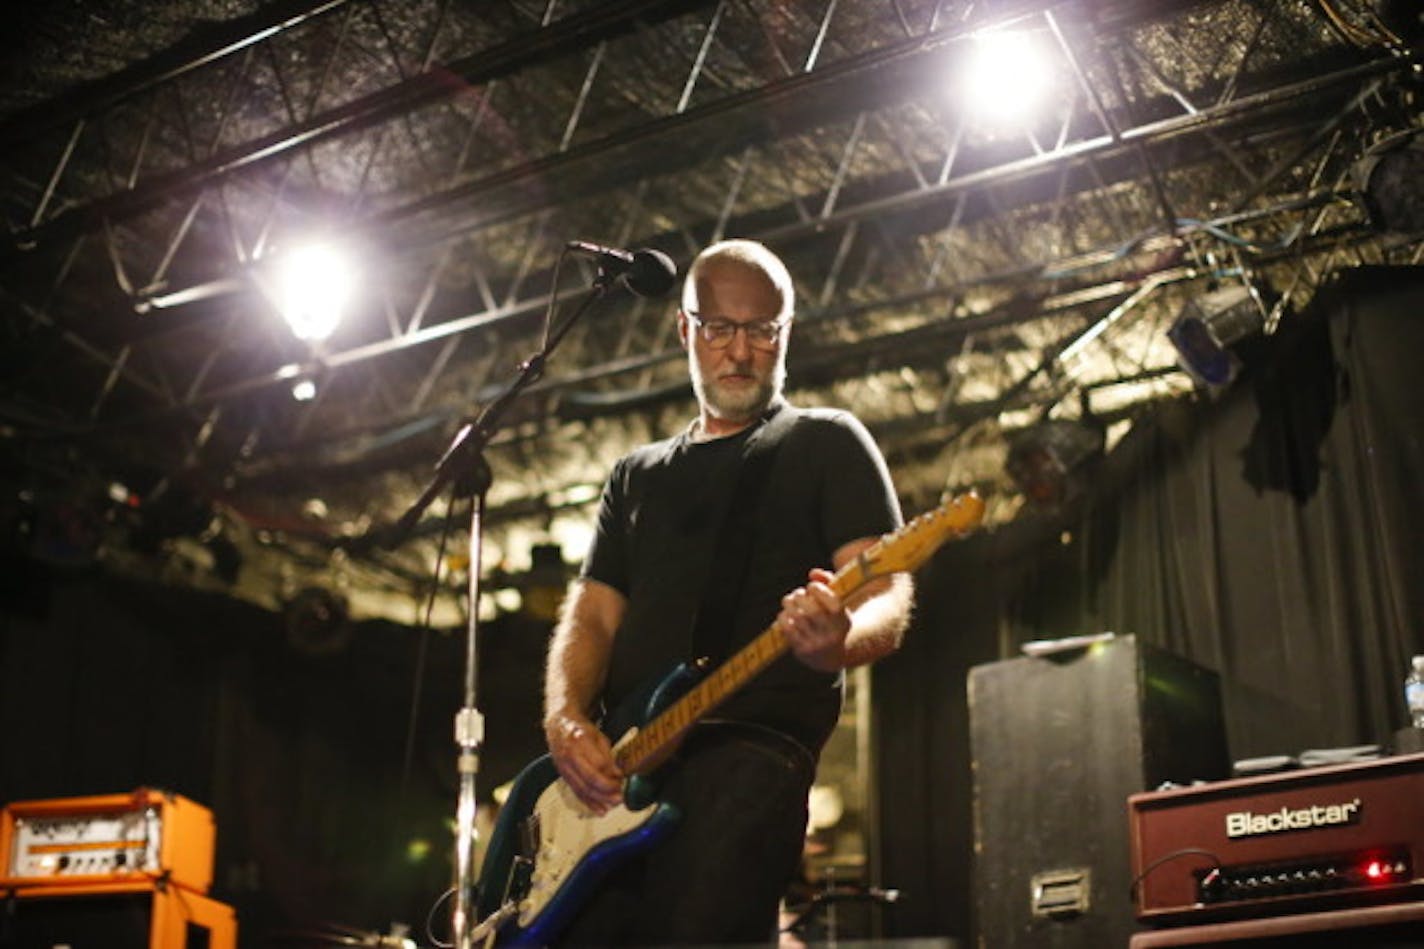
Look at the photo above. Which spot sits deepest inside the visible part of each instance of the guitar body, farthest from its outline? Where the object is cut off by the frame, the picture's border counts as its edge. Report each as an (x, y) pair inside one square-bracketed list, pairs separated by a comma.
[(575, 848)]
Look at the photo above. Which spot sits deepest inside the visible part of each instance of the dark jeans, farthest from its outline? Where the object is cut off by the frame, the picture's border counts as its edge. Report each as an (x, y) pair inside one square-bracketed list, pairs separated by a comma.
[(720, 875)]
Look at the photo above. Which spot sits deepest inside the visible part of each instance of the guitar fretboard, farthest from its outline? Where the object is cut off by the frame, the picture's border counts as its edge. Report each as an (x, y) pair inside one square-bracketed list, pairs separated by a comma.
[(655, 740)]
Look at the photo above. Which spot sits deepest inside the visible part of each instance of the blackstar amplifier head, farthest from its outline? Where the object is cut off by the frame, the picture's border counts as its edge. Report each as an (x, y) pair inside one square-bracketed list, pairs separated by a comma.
[(1311, 839)]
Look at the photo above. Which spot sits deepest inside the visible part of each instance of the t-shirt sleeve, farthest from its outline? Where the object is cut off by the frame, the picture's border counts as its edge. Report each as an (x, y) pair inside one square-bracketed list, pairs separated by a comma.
[(608, 555), (858, 497)]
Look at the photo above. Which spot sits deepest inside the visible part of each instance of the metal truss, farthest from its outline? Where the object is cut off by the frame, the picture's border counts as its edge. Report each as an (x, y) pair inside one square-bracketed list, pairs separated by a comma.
[(960, 274)]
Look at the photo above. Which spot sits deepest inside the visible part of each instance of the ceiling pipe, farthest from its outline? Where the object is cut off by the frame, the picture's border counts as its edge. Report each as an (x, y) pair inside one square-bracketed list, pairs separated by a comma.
[(560, 38), (926, 342), (173, 63), (999, 316)]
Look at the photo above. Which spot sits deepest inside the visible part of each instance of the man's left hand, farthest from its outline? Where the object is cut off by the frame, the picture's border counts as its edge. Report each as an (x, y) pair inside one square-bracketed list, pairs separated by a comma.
[(816, 623)]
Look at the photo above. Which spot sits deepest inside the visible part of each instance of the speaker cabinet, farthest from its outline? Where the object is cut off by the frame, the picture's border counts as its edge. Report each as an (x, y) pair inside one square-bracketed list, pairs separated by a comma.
[(1059, 742), (138, 915), (1398, 926)]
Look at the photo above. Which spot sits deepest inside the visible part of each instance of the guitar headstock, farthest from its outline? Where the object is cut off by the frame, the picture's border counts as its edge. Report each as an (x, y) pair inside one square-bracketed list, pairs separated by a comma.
[(914, 543)]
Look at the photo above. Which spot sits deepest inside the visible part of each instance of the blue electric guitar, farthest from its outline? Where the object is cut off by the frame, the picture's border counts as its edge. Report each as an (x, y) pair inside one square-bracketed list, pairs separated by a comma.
[(528, 893)]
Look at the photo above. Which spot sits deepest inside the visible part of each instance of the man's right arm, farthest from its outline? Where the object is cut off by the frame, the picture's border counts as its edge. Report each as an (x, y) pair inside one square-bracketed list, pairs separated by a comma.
[(579, 655)]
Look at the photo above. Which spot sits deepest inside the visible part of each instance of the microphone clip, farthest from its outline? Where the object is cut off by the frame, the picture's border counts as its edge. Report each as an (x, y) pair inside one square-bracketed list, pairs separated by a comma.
[(646, 272)]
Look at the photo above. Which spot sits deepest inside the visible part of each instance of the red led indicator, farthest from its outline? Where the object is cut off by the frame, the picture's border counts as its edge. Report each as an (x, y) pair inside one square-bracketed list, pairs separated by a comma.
[(1375, 870)]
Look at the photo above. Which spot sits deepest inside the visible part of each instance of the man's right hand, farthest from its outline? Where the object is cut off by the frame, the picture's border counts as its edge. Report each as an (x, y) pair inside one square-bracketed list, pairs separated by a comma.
[(584, 758)]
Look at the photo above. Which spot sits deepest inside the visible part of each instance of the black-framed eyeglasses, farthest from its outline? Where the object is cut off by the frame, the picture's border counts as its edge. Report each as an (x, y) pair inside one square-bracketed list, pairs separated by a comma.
[(717, 332)]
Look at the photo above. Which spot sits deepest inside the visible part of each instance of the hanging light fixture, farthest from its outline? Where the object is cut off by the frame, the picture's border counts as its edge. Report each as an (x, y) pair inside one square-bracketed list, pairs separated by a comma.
[(1209, 325), (1390, 180), (1050, 462)]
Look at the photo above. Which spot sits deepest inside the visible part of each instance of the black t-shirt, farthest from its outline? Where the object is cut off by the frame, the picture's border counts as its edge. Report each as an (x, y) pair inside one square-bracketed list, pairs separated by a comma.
[(658, 529)]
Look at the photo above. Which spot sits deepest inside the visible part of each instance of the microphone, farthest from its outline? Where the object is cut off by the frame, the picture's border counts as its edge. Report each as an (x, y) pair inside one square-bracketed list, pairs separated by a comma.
[(647, 272)]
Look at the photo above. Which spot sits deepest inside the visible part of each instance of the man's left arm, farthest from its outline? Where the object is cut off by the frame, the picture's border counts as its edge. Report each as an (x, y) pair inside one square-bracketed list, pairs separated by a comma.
[(828, 634)]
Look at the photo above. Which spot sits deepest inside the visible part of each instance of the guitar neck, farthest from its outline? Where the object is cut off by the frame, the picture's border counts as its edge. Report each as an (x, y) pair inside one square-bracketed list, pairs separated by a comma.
[(658, 737)]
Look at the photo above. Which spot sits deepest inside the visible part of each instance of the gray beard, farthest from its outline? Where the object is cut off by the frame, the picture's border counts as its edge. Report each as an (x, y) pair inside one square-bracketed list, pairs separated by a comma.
[(736, 407)]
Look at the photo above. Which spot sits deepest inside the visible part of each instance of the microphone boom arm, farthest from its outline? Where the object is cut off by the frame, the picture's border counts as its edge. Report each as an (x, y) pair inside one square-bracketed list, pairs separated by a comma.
[(462, 461)]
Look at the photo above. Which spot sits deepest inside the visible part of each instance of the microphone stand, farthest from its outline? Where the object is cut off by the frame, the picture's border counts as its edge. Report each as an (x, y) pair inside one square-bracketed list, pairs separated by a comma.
[(465, 466)]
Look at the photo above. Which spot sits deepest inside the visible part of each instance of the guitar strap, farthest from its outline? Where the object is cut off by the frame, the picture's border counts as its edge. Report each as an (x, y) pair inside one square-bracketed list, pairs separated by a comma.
[(731, 558)]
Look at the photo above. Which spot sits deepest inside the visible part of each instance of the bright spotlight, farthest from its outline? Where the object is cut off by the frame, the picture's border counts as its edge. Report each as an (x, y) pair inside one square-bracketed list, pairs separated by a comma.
[(1006, 77), (314, 282)]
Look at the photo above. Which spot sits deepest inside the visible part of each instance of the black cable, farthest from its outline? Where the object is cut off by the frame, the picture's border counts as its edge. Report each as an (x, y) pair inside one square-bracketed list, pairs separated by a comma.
[(418, 675), (423, 649), (430, 920), (847, 894), (1184, 852)]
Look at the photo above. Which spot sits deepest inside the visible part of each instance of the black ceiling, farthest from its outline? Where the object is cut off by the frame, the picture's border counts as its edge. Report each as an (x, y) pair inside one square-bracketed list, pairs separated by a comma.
[(959, 279)]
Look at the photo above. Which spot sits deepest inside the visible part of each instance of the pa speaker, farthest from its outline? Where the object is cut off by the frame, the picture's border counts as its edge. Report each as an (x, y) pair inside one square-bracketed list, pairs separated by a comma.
[(1059, 742)]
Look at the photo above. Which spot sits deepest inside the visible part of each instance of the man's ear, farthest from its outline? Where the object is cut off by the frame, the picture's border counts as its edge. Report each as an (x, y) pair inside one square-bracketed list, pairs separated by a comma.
[(683, 327)]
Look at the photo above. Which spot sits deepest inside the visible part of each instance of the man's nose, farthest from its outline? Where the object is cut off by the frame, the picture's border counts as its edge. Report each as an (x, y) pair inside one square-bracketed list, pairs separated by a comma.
[(740, 347)]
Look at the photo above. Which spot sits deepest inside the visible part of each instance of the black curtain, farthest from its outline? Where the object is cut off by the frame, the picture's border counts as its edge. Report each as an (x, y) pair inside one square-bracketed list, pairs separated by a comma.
[(1269, 535), (333, 804)]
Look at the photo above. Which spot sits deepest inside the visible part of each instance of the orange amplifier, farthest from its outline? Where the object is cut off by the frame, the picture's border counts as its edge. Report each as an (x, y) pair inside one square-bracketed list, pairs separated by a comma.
[(1297, 841), (112, 838)]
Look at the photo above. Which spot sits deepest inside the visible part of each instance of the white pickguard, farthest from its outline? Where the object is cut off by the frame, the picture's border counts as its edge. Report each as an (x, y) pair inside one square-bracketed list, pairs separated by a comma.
[(568, 830)]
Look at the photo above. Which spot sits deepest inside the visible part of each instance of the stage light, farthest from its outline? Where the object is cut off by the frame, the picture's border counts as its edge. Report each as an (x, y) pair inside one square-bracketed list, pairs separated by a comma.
[(1390, 180), (1211, 323), (317, 622), (1051, 461), (313, 284), (1005, 78), (304, 391)]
